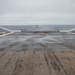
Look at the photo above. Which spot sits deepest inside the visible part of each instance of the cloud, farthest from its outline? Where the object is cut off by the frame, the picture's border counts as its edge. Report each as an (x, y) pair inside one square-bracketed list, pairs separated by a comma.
[(37, 11)]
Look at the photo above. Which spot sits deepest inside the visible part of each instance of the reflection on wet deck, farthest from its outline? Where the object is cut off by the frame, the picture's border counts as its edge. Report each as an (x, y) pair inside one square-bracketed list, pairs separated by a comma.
[(36, 42)]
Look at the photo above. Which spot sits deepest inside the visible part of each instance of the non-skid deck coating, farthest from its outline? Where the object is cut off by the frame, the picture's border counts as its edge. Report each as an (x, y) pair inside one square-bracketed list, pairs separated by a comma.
[(37, 54), (37, 63)]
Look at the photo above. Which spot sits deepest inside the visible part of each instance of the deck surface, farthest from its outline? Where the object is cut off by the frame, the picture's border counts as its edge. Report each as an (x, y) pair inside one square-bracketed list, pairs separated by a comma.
[(37, 63), (37, 54)]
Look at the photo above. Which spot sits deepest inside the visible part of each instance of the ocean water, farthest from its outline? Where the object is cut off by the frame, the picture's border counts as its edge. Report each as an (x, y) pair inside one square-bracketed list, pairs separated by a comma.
[(40, 27)]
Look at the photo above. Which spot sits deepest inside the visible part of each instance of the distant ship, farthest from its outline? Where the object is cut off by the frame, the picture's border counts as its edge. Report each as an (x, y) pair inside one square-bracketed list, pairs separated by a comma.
[(36, 25)]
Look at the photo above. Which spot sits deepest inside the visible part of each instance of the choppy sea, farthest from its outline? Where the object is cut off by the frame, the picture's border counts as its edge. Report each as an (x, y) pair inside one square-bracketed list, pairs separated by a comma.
[(39, 27)]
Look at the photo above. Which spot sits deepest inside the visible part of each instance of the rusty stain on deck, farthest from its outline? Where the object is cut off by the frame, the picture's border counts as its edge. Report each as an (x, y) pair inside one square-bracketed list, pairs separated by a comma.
[(37, 63)]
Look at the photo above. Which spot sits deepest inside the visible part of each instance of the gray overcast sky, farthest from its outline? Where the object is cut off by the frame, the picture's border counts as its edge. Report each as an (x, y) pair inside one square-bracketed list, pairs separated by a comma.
[(37, 11)]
